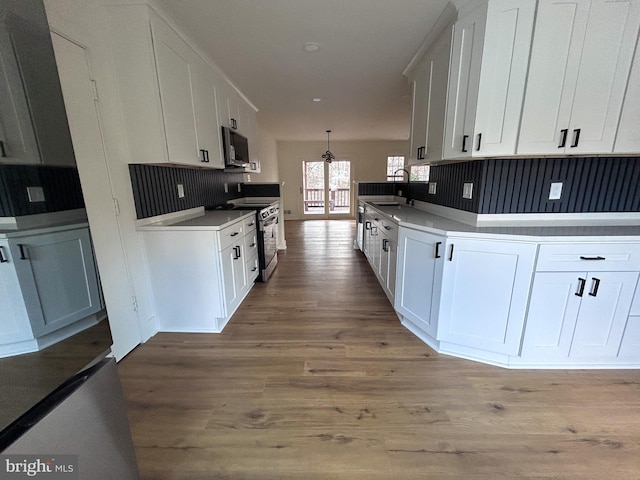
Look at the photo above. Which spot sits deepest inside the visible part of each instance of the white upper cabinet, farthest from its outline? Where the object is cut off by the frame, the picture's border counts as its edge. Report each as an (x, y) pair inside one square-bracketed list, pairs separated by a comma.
[(174, 80), (464, 75), (628, 137), (503, 76), (429, 81), (206, 116), (580, 60)]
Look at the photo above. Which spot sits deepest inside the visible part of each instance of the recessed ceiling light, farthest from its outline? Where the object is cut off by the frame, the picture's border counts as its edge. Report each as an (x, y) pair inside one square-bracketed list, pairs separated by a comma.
[(316, 99), (311, 47)]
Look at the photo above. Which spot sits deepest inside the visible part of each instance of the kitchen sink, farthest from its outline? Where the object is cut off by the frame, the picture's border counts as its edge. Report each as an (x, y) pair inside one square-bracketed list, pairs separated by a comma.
[(386, 204)]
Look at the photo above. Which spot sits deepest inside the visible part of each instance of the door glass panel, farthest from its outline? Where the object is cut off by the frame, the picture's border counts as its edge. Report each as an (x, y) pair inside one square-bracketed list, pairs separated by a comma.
[(340, 187), (313, 186)]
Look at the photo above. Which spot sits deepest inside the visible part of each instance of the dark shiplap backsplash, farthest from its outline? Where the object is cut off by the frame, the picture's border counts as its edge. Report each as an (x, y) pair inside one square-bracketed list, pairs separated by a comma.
[(377, 188), (521, 185), (155, 188), (261, 189), (592, 184), (61, 187)]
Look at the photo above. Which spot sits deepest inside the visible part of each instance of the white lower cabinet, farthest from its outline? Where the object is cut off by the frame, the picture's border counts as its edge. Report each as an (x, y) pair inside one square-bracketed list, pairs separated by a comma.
[(199, 277), (51, 284), (419, 272), (579, 317), (485, 289), (381, 249)]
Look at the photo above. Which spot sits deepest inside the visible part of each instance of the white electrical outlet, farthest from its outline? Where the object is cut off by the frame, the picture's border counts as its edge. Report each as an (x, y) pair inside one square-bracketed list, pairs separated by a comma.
[(226, 188), (35, 194), (467, 191), (239, 187), (432, 188), (555, 192), (248, 178), (180, 190)]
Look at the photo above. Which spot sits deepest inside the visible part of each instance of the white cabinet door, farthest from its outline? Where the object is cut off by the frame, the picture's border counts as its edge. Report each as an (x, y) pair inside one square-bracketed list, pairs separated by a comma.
[(392, 258), (174, 80), (630, 345), (607, 52), (628, 135), (57, 277), (15, 320), (464, 76), (553, 310), (376, 249), (206, 116), (419, 267), (603, 314), (230, 277), (580, 61), (421, 90), (485, 289), (505, 60), (553, 71)]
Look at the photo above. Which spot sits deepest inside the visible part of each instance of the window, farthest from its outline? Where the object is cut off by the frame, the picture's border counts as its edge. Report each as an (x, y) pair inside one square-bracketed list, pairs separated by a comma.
[(420, 173), (394, 164)]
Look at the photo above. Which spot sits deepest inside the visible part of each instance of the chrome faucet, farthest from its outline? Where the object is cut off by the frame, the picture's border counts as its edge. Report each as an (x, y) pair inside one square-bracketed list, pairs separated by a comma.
[(408, 183)]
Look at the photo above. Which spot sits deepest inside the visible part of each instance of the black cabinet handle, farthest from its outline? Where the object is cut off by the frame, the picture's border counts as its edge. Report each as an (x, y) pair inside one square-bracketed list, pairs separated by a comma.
[(479, 142), (254, 269), (234, 124), (420, 153), (385, 242), (367, 225), (234, 234), (204, 155), (377, 219), (438, 249), (237, 253), (592, 258), (581, 283), (563, 139), (451, 254), (3, 152), (23, 255), (3, 259), (594, 287), (387, 227), (252, 245), (464, 142), (576, 138), (252, 224)]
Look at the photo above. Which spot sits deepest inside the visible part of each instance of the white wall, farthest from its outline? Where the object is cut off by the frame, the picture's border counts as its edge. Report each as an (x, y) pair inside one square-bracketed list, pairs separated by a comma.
[(368, 164)]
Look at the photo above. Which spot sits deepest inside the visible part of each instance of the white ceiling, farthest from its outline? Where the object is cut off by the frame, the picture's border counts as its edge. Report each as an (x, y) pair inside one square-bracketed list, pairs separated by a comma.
[(365, 46)]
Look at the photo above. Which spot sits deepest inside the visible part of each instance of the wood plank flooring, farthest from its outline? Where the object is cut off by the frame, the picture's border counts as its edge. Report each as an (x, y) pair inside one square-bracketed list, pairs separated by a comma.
[(315, 378)]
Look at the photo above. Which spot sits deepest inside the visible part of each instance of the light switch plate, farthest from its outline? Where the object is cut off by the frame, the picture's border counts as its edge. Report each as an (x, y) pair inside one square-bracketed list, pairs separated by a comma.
[(35, 194), (432, 188), (467, 191), (180, 190), (555, 192), (226, 188), (239, 187)]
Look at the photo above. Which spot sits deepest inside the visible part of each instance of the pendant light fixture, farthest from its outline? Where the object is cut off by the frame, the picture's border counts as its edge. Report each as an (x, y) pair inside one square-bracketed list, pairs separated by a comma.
[(328, 156)]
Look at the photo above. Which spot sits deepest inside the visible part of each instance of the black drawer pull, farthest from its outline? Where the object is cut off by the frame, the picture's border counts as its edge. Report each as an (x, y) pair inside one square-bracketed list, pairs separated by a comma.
[(464, 142), (563, 140), (451, 254), (3, 259), (254, 269), (594, 287), (387, 227), (23, 254), (385, 242), (479, 142), (420, 153), (252, 224), (234, 234), (581, 283), (592, 258), (438, 250)]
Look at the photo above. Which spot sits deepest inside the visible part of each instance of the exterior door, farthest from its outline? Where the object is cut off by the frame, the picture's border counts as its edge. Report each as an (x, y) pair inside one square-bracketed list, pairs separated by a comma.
[(326, 190)]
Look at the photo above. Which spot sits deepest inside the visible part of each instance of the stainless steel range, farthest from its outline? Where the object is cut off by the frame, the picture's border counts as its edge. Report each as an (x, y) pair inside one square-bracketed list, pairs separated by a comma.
[(267, 217)]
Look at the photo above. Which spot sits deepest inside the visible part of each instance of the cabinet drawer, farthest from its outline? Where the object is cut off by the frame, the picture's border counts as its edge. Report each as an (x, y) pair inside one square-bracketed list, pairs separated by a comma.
[(253, 268), (390, 229), (592, 257), (251, 243), (232, 234), (249, 224)]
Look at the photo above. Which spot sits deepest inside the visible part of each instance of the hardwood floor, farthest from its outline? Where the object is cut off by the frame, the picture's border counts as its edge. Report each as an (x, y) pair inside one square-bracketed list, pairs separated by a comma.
[(315, 378)]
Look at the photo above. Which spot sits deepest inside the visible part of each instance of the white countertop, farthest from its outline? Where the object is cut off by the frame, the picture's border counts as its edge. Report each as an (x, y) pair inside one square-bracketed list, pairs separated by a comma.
[(412, 217), (54, 227), (198, 220)]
